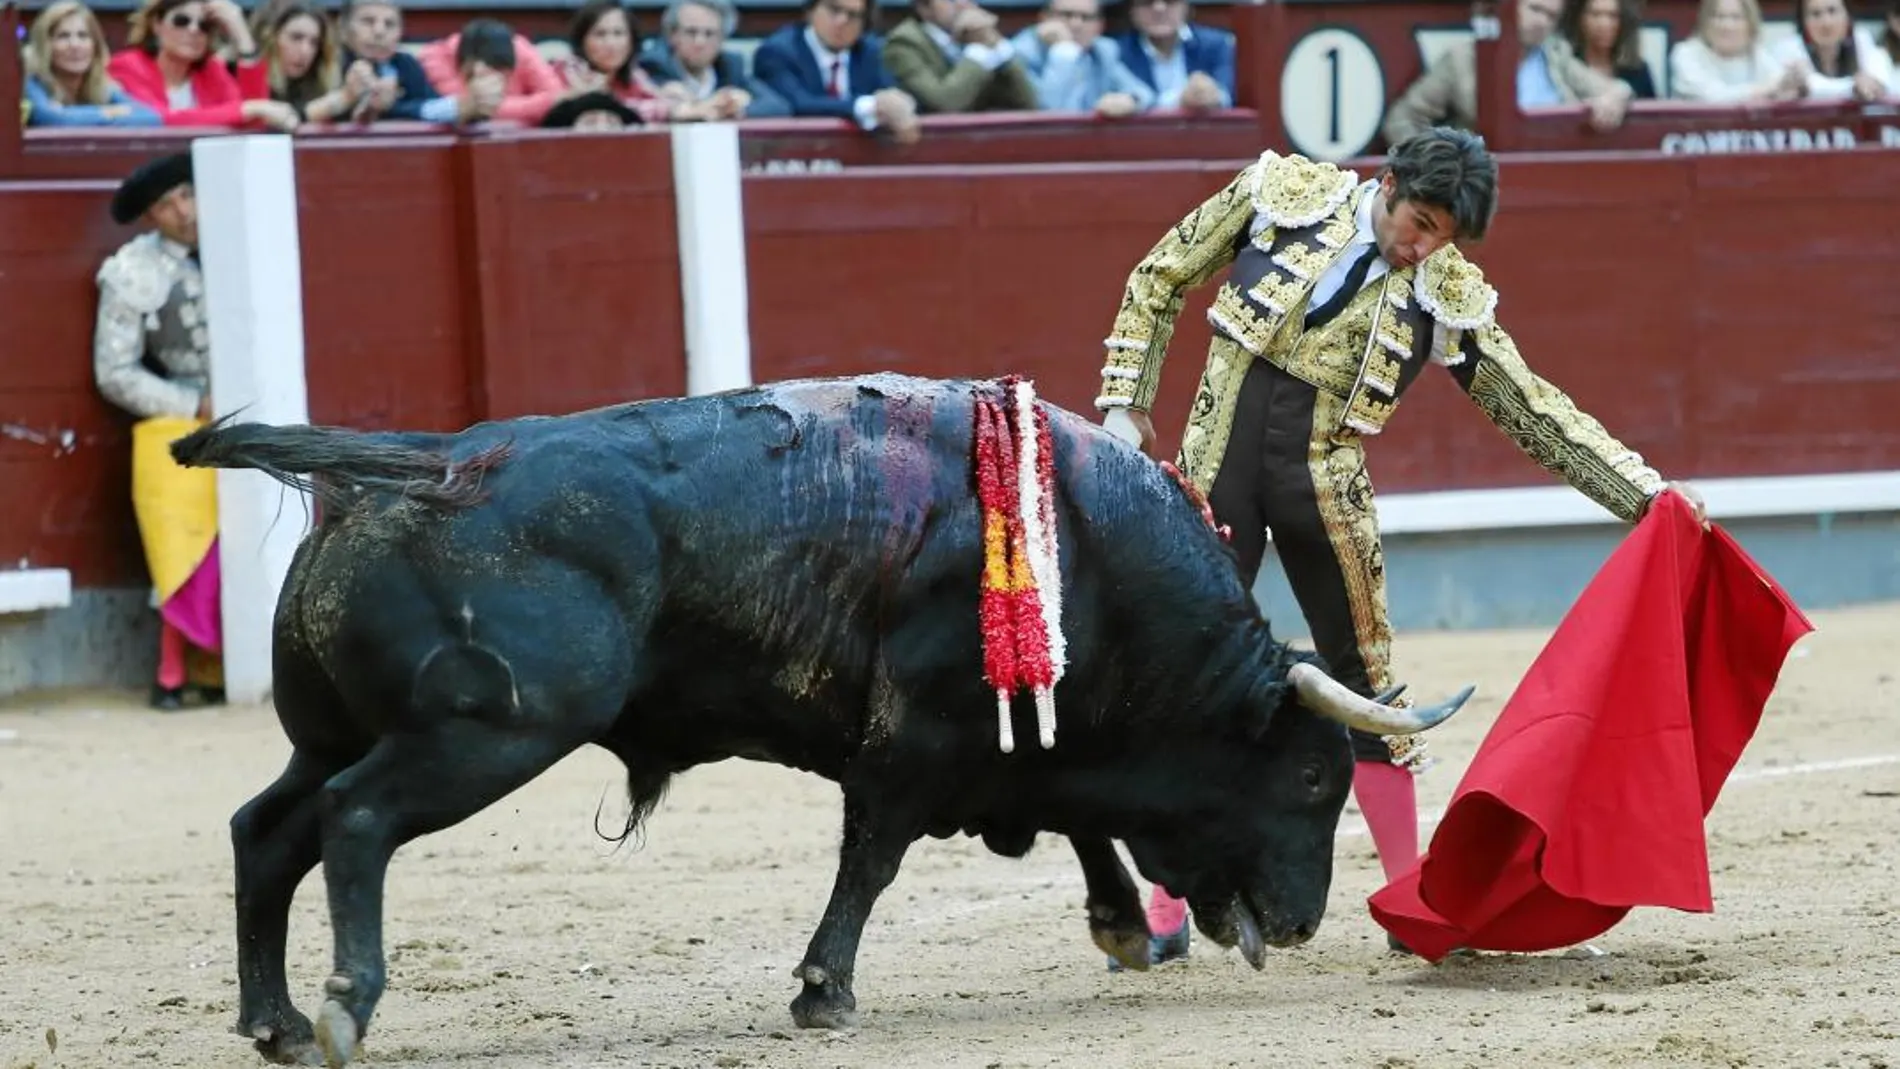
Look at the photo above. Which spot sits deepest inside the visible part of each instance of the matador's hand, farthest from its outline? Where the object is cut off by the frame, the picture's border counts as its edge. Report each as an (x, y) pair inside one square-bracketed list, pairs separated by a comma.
[(1689, 494), (1133, 426)]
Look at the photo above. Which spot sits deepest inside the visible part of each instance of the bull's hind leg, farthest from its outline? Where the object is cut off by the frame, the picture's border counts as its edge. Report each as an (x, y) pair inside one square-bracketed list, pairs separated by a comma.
[(408, 786), (1117, 922), (275, 841)]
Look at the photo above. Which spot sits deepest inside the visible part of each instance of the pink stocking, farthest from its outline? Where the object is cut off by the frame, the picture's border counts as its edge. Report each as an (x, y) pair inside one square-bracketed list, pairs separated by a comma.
[(1389, 799), (1166, 913), (171, 656)]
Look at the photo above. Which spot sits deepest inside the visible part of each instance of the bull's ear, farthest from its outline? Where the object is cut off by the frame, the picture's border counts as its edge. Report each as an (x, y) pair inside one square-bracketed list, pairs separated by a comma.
[(1264, 702)]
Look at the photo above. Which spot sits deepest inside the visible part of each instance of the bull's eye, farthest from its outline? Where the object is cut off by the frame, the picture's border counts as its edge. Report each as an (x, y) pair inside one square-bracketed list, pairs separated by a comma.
[(1312, 777)]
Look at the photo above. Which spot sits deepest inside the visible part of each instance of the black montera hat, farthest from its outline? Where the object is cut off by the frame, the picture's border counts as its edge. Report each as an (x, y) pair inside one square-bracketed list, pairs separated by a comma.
[(569, 111), (152, 180)]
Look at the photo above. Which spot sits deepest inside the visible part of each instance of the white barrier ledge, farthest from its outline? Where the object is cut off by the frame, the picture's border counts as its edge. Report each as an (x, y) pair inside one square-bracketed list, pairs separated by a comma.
[(710, 210), (248, 239), (1561, 506), (34, 589)]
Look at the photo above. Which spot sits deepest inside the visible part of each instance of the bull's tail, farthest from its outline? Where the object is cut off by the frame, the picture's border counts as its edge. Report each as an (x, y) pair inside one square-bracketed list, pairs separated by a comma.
[(335, 463)]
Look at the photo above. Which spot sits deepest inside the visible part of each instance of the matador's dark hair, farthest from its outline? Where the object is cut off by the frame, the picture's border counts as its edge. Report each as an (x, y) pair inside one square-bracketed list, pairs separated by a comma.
[(1450, 169)]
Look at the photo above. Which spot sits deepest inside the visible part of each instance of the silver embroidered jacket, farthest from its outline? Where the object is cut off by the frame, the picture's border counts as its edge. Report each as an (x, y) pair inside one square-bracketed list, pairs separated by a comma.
[(151, 300)]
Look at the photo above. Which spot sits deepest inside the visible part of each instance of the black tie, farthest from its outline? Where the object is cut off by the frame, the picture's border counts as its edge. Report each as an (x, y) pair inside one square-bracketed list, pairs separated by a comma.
[(1355, 278)]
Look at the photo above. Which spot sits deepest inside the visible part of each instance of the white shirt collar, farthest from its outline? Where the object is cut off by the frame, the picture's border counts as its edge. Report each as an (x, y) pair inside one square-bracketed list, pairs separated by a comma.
[(1180, 42), (825, 55), (942, 37), (1362, 218)]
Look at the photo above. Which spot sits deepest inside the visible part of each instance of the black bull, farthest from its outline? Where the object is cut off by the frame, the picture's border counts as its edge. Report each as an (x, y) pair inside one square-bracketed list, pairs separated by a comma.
[(787, 574)]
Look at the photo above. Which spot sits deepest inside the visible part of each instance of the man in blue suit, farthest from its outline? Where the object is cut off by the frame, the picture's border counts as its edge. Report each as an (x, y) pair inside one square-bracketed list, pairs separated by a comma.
[(829, 65), (1188, 64)]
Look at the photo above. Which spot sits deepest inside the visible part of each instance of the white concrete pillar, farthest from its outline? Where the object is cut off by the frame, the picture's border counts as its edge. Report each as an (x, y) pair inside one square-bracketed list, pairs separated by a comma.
[(247, 242), (711, 215)]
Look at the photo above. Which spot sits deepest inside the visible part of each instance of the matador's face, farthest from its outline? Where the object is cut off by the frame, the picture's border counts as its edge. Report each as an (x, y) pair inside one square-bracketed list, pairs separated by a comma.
[(176, 215), (1407, 230)]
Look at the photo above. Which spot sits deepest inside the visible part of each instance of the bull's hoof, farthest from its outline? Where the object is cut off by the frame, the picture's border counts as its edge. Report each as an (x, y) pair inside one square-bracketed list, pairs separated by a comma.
[(824, 1003), (290, 1042), (337, 1034), (1127, 948)]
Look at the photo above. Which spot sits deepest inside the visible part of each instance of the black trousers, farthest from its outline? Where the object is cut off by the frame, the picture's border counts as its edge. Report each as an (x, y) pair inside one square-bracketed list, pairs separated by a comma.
[(1284, 468)]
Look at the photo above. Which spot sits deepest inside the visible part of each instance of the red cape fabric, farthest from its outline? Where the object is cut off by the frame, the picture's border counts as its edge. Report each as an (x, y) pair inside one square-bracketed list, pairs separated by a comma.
[(1587, 798)]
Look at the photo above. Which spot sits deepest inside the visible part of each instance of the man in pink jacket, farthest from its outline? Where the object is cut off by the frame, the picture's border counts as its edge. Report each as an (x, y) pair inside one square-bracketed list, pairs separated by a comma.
[(498, 70)]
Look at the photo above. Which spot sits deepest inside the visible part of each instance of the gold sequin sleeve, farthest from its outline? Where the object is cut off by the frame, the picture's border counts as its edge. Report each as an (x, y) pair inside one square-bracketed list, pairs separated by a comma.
[(1189, 254), (1547, 425)]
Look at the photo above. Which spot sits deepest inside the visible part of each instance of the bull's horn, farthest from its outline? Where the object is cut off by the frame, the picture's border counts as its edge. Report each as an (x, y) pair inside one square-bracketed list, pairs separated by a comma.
[(1331, 699)]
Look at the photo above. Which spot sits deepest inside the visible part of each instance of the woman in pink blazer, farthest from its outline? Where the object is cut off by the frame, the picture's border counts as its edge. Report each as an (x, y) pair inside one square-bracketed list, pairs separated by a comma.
[(172, 67)]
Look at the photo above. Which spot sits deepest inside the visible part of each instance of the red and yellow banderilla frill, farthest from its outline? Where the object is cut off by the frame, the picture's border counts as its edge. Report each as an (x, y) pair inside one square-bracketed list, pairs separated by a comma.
[(1021, 595)]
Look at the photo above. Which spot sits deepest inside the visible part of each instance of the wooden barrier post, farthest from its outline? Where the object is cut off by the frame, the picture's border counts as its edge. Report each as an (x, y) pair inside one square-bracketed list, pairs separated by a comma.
[(12, 87), (1498, 55), (711, 219), (247, 241), (1261, 41)]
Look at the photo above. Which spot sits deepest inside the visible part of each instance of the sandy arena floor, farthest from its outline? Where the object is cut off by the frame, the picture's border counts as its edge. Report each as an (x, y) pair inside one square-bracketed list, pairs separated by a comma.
[(519, 939)]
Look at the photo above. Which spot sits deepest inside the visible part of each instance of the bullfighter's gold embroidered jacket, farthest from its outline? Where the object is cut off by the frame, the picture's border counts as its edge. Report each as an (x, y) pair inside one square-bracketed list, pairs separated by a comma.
[(151, 302), (1281, 223)]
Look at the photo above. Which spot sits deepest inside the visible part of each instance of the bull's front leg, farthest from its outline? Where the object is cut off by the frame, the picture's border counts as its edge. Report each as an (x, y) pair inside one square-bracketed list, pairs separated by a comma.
[(875, 840), (1117, 922)]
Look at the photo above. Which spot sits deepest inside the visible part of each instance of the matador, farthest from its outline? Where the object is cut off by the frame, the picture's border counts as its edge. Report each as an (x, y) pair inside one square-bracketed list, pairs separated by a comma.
[(1341, 291)]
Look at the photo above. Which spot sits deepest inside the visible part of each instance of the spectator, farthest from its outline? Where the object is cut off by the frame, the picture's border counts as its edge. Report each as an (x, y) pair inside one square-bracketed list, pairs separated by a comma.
[(151, 357), (65, 68), (1077, 69), (601, 48), (502, 72), (828, 64), (1188, 64), (392, 82), (1840, 59), (1605, 34), (301, 55), (1725, 60), (1548, 73), (171, 67), (950, 56), (691, 62)]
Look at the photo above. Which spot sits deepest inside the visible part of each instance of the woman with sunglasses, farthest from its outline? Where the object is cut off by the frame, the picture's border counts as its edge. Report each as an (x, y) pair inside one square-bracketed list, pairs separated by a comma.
[(173, 67)]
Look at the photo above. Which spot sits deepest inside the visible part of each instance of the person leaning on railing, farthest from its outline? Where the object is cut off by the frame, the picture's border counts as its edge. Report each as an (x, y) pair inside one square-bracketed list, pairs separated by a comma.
[(65, 68), (1188, 64), (172, 66), (396, 87), (498, 70), (1840, 60), (601, 44), (951, 56), (1548, 73), (691, 62), (830, 63), (1725, 60), (1605, 34), (1076, 68), (299, 43)]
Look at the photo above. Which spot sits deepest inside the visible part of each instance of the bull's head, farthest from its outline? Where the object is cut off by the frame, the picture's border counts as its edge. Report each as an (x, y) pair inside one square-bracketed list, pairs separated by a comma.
[(1258, 874)]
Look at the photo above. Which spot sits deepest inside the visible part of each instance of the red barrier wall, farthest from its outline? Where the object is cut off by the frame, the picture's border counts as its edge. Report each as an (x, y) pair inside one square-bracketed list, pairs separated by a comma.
[(1712, 310)]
